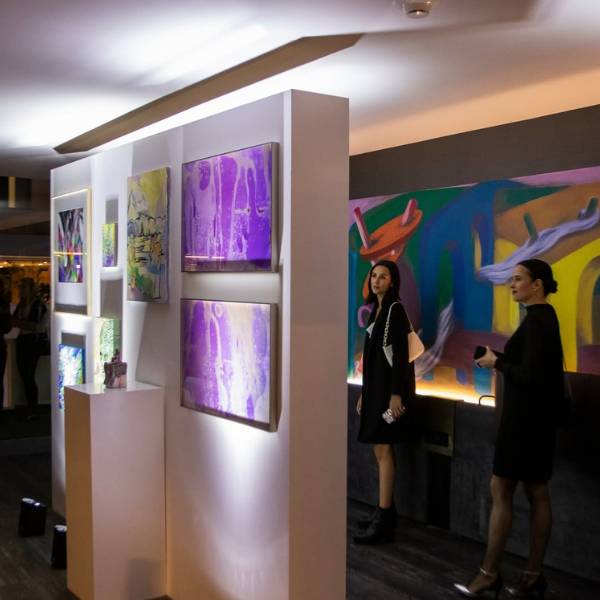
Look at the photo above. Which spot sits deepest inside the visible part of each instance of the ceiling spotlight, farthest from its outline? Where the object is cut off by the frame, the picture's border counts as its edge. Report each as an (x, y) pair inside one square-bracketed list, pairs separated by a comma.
[(417, 9)]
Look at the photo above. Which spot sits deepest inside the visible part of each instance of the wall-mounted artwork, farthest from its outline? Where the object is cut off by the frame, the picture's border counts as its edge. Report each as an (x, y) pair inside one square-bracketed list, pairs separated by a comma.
[(109, 245), (107, 338), (148, 236), (228, 211), (71, 369), (70, 250), (227, 361), (456, 248), (71, 264)]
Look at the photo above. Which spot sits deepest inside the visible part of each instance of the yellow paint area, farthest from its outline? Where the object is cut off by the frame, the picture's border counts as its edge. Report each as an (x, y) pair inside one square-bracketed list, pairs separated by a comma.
[(573, 302), (506, 312)]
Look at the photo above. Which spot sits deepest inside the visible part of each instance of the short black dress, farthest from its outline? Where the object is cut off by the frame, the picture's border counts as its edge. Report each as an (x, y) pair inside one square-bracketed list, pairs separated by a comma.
[(380, 380), (532, 365)]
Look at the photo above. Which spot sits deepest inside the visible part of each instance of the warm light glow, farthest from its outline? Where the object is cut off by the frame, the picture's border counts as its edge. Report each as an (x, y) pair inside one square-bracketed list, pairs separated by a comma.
[(80, 191), (57, 253), (446, 394)]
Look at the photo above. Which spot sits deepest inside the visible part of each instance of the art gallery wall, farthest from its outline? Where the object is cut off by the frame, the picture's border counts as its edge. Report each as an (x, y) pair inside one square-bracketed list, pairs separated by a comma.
[(249, 512)]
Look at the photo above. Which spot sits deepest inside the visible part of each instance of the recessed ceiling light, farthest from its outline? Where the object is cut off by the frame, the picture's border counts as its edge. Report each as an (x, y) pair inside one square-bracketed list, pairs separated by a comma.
[(417, 9)]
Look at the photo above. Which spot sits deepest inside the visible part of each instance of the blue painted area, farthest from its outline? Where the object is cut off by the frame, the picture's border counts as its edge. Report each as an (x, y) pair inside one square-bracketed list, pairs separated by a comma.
[(451, 230), (482, 380), (462, 376)]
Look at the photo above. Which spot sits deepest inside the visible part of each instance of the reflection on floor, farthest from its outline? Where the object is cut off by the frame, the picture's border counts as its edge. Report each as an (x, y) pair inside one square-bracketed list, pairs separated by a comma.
[(424, 561)]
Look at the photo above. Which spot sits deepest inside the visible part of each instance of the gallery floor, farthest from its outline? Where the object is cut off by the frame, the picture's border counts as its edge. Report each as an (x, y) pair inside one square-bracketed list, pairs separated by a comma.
[(420, 565)]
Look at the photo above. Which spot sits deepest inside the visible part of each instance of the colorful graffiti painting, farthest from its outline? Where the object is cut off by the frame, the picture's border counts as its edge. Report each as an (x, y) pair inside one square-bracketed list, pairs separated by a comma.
[(227, 211), (107, 337), (71, 369), (456, 247), (227, 359), (70, 246), (148, 236)]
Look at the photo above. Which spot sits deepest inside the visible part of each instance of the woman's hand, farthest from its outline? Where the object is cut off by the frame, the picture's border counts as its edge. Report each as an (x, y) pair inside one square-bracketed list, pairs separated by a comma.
[(487, 360), (396, 406), (359, 405)]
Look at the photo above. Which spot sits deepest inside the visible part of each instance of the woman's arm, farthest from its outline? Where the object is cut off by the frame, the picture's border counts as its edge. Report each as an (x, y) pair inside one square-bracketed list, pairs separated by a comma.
[(530, 369)]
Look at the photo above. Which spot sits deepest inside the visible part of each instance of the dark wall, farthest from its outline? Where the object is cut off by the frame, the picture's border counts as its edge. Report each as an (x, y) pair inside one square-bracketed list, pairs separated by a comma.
[(449, 486), (560, 142)]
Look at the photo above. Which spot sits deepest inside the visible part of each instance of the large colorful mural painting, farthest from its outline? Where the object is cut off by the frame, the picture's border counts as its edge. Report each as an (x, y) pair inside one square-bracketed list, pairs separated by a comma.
[(456, 247)]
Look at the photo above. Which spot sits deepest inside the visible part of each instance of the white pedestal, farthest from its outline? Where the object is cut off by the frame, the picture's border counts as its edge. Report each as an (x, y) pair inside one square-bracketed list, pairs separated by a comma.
[(115, 492)]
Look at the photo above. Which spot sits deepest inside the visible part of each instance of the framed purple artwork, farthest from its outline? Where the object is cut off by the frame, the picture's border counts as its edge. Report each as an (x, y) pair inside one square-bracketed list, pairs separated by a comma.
[(228, 359), (229, 211)]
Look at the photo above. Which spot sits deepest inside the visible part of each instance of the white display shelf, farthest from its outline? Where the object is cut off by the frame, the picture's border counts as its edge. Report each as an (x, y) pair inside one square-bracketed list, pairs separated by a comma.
[(115, 491)]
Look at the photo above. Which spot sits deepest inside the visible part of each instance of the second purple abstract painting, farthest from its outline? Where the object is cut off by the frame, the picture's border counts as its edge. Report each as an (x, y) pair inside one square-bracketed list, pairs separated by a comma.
[(228, 216), (228, 360)]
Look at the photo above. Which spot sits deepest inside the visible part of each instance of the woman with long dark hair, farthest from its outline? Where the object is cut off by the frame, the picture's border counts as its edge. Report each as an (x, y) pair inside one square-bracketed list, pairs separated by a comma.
[(532, 366), (385, 388), (31, 317)]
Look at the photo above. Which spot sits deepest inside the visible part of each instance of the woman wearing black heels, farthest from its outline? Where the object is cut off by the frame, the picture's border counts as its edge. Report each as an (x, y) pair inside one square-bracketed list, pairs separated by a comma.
[(532, 366), (385, 388)]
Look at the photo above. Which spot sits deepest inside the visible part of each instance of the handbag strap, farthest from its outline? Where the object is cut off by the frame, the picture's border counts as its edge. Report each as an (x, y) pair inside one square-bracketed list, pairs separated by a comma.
[(387, 324)]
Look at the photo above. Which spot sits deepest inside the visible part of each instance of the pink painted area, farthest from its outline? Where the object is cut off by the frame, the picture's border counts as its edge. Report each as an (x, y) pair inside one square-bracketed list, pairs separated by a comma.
[(572, 177)]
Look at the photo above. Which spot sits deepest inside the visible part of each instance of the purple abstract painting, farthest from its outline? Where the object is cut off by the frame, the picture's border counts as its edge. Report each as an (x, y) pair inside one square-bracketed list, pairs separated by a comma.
[(227, 211), (226, 359)]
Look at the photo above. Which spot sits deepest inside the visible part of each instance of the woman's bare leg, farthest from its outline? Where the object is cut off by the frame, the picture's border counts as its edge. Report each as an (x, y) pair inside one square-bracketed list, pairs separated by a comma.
[(502, 490), (538, 495), (386, 463)]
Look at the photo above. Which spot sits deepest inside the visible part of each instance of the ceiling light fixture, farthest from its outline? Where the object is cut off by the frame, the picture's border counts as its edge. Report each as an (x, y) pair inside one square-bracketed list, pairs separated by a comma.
[(417, 9)]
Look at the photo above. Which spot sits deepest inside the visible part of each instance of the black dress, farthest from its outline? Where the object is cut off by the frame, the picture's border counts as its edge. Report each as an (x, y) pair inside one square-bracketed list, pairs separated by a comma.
[(380, 380), (532, 365)]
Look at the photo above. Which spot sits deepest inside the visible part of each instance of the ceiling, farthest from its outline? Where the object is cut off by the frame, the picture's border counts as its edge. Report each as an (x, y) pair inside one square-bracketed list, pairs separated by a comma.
[(67, 67)]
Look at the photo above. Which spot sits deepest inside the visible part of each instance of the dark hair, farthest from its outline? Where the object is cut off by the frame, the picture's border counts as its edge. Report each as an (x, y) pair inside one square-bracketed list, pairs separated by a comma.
[(393, 292), (538, 269)]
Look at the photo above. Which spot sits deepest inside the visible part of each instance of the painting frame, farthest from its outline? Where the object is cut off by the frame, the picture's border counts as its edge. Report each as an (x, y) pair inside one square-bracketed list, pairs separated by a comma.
[(195, 264), (270, 422), (72, 297)]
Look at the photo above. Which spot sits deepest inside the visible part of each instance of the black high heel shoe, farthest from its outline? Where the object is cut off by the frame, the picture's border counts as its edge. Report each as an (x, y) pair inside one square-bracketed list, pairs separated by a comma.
[(495, 586), (528, 588)]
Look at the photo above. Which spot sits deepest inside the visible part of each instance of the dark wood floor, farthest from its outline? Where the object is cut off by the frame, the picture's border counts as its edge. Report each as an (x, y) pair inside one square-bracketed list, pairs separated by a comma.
[(25, 571), (420, 565), (423, 561)]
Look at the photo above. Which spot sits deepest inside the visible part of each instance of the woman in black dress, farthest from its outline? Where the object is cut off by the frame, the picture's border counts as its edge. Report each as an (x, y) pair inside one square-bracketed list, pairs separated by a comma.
[(385, 387), (31, 317), (532, 365)]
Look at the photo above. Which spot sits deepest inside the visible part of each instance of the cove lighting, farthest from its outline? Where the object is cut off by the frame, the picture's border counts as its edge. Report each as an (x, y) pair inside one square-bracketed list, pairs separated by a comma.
[(445, 394)]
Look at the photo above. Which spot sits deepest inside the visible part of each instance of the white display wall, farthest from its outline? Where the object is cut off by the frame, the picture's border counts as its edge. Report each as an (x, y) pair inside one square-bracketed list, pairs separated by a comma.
[(251, 514)]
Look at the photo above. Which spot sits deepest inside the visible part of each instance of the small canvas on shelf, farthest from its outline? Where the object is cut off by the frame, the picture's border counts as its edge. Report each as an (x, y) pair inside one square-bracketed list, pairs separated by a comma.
[(71, 369), (109, 245)]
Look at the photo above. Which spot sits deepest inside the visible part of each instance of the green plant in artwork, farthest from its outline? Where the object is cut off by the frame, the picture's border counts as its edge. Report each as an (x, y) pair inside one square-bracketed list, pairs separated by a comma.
[(107, 336)]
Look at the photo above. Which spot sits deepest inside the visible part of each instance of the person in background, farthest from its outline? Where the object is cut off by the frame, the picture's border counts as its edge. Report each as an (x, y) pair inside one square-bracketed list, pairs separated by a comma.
[(5, 327), (31, 317), (532, 366), (385, 388)]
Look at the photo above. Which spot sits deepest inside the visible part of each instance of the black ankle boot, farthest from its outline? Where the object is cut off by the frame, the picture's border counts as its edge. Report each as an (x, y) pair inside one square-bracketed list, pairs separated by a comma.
[(380, 530), (366, 522)]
